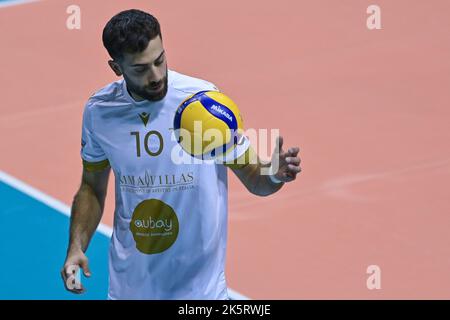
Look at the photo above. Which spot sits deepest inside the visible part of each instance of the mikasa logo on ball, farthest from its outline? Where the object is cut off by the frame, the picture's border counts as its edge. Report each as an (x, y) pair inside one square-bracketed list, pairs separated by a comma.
[(222, 112)]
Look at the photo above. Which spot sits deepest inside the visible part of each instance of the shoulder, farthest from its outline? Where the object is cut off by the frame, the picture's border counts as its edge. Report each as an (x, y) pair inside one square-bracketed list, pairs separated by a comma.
[(109, 95), (189, 84)]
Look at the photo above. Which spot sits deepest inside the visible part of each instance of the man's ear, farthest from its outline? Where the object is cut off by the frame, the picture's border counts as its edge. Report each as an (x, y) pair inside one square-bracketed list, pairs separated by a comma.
[(115, 67)]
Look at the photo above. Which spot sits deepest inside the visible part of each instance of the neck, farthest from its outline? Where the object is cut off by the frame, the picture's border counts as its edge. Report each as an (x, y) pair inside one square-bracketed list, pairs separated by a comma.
[(135, 96)]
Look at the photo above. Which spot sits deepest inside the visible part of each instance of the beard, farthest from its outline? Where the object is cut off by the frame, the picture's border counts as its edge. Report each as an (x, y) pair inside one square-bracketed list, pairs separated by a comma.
[(146, 92)]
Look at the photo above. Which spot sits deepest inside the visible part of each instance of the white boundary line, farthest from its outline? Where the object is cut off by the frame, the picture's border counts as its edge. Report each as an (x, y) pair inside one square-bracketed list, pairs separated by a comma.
[(11, 3), (65, 209), (236, 295), (44, 198)]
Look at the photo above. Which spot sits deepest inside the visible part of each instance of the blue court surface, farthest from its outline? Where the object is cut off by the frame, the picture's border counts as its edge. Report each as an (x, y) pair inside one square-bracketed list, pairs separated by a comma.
[(33, 244), (7, 3)]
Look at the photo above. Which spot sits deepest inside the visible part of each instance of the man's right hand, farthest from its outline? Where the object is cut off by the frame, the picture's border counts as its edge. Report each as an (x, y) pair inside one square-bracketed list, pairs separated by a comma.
[(75, 260)]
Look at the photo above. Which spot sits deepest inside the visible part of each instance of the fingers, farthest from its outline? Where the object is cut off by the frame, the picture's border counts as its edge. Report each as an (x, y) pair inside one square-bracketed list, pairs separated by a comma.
[(69, 277), (63, 276), (293, 151), (85, 266), (289, 160), (293, 169), (75, 260), (279, 144), (291, 172), (293, 160)]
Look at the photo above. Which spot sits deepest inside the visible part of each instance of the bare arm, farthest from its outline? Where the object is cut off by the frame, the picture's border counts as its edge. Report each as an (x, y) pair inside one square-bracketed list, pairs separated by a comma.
[(86, 213), (251, 177), (87, 208), (286, 167)]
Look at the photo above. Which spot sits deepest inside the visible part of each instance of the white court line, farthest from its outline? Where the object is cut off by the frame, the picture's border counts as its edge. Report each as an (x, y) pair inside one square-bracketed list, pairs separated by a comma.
[(10, 3), (236, 295), (65, 209), (44, 198)]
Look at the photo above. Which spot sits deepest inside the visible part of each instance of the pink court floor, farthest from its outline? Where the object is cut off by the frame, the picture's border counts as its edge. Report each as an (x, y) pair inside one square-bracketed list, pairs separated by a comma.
[(369, 110)]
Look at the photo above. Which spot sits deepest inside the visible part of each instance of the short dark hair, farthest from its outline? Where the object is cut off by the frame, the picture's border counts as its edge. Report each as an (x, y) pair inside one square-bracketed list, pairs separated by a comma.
[(129, 31)]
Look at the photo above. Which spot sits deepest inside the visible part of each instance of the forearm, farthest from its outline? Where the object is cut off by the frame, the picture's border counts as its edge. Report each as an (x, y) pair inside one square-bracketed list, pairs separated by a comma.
[(86, 214), (258, 177), (256, 181), (262, 184)]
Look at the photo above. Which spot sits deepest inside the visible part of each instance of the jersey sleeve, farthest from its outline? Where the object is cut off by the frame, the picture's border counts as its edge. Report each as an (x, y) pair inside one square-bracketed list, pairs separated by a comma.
[(92, 154), (206, 85), (214, 87)]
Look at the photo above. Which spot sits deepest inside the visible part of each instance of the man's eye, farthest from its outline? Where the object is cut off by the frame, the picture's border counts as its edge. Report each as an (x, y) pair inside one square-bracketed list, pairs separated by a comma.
[(142, 70), (159, 62)]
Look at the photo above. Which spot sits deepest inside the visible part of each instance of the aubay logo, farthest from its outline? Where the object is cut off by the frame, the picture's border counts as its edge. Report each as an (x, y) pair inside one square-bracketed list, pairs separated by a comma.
[(154, 226)]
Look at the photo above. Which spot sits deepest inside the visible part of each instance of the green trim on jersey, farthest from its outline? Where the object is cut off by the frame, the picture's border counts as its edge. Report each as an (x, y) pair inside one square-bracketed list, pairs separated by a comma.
[(248, 157), (96, 166)]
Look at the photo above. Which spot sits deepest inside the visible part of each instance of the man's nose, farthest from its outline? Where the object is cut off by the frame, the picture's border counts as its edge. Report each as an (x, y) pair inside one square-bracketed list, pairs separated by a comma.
[(155, 77)]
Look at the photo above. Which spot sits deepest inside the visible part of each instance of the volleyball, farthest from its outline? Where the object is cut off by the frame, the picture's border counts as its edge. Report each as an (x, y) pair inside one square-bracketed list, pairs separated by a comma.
[(208, 125)]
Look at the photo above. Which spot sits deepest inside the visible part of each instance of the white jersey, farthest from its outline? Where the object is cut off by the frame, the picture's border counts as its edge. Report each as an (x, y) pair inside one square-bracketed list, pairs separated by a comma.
[(170, 220)]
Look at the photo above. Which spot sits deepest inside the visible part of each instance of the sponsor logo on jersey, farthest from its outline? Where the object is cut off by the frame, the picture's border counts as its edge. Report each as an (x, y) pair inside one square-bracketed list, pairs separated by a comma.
[(144, 117), (221, 111), (154, 225)]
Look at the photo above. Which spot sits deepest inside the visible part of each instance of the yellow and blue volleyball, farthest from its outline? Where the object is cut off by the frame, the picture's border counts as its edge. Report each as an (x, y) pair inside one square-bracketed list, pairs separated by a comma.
[(208, 124)]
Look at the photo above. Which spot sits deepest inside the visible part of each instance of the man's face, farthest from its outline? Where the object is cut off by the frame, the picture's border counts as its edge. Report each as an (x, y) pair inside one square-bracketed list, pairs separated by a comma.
[(145, 72)]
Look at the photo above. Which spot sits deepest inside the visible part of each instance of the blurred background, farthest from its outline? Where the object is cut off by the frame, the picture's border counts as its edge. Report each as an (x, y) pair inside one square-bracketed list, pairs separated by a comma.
[(369, 109)]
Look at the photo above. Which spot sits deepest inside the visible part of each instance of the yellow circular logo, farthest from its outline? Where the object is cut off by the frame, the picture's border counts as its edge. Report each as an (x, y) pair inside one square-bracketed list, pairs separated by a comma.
[(154, 226)]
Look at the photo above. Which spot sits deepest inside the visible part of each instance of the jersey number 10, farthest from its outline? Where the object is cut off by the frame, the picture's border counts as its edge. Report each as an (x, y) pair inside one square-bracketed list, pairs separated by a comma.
[(155, 139)]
